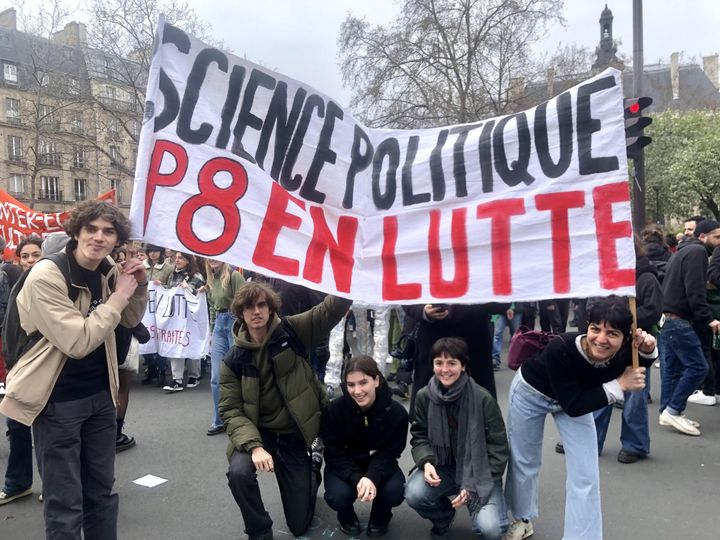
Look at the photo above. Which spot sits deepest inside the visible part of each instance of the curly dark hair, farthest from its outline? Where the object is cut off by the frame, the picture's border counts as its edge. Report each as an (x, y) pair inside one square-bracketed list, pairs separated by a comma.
[(250, 292), (87, 211), (32, 239)]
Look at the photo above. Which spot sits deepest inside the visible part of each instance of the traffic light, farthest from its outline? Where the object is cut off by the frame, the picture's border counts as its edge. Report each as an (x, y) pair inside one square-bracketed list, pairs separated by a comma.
[(635, 123)]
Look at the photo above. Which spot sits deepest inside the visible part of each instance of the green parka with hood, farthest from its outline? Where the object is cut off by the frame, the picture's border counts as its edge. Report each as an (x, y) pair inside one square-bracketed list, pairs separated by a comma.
[(271, 385)]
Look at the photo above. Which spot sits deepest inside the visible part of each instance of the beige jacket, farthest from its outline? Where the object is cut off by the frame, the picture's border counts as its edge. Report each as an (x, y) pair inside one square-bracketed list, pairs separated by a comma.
[(68, 334)]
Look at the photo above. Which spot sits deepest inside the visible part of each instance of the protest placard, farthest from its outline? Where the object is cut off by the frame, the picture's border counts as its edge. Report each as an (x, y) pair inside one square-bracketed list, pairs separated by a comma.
[(178, 323), (244, 165)]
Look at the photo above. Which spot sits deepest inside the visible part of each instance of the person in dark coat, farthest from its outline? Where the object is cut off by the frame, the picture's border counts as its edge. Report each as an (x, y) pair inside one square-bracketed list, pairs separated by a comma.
[(364, 431), (460, 448), (470, 322), (635, 432), (656, 249)]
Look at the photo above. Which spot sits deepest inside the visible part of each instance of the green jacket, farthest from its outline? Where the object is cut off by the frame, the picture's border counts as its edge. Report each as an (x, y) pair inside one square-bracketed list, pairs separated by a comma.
[(495, 436), (279, 365)]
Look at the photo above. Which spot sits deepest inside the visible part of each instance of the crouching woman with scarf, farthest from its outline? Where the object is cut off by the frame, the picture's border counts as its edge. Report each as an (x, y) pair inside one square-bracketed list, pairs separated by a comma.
[(460, 448)]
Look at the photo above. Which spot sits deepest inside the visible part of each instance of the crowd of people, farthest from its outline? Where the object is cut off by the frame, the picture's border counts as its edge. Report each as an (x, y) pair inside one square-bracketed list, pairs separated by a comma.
[(305, 384)]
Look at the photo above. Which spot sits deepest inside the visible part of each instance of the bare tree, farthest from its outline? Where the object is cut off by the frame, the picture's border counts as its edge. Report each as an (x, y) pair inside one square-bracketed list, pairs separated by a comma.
[(121, 32), (49, 81), (442, 61)]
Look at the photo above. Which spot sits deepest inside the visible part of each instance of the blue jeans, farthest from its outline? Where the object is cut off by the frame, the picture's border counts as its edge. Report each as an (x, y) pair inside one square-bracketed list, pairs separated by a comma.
[(634, 433), (433, 503), (682, 362), (500, 323), (222, 340), (19, 473), (527, 409), (340, 496)]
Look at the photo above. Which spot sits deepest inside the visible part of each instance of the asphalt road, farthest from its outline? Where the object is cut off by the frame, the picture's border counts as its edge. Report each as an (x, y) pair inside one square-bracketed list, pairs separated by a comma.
[(672, 495)]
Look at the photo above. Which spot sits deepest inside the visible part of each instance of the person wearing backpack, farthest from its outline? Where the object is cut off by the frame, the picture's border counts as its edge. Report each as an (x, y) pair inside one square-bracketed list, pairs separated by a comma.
[(65, 385), (271, 403), (19, 471)]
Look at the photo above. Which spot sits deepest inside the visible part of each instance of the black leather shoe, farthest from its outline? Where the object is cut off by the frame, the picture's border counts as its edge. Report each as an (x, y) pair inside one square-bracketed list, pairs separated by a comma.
[(375, 530), (559, 448), (625, 456), (216, 430), (351, 528)]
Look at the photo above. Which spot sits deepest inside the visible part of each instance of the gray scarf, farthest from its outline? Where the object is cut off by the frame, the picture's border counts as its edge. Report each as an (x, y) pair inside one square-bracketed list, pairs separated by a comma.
[(472, 470)]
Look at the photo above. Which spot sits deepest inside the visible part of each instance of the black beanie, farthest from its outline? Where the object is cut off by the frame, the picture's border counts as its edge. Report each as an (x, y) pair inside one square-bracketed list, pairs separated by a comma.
[(706, 226)]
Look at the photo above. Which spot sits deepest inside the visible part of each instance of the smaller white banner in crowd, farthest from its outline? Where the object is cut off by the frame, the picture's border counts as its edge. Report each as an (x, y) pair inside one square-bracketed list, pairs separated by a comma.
[(178, 323)]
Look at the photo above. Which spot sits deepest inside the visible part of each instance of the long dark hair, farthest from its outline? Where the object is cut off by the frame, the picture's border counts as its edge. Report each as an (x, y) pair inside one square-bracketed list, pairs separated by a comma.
[(192, 267), (364, 364)]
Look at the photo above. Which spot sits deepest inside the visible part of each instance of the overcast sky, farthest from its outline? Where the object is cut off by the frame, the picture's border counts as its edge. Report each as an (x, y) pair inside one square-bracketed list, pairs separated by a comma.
[(298, 37)]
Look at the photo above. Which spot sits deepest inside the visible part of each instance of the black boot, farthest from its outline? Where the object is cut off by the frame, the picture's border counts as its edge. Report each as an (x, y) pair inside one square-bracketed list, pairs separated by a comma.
[(151, 373)]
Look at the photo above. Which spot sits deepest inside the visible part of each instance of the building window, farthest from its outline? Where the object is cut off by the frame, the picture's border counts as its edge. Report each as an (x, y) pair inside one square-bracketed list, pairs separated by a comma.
[(48, 117), (80, 189), (12, 110), (10, 73), (78, 157), (74, 86), (76, 122), (49, 154), (135, 129), (16, 184), (115, 157), (50, 188), (15, 149), (110, 92), (43, 78), (113, 127), (115, 185)]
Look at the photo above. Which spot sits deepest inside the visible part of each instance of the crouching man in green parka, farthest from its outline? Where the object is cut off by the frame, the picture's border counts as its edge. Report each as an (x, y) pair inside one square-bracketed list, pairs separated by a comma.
[(271, 403)]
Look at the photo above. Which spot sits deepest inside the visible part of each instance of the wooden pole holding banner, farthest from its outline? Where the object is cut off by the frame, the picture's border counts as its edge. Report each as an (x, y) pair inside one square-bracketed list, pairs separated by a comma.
[(633, 310)]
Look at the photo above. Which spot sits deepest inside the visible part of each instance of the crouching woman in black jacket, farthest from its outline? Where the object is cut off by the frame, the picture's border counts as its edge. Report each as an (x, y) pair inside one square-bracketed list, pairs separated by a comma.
[(365, 432)]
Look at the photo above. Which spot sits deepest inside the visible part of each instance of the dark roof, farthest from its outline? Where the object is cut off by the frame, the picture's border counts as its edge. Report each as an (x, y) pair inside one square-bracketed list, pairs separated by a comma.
[(696, 90)]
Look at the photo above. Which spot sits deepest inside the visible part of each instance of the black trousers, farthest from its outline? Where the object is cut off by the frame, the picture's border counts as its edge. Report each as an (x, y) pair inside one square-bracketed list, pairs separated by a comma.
[(297, 480), (75, 451), (554, 319), (341, 496)]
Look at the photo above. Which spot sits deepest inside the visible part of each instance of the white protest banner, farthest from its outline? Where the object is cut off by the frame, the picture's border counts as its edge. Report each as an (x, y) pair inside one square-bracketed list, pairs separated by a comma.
[(178, 323), (244, 165)]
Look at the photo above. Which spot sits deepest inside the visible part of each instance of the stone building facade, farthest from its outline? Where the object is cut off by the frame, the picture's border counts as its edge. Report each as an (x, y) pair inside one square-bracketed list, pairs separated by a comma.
[(68, 124)]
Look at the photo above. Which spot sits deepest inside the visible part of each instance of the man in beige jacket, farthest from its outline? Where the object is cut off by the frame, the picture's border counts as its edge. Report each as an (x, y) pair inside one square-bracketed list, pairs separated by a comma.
[(66, 384)]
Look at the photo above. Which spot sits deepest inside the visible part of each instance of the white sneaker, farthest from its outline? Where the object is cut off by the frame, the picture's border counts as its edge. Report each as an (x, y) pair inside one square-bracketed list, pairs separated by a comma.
[(518, 530), (692, 422), (679, 422), (700, 398)]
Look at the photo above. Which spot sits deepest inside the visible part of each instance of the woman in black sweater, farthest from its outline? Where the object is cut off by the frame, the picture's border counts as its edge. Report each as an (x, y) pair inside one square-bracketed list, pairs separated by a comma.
[(365, 432), (574, 375)]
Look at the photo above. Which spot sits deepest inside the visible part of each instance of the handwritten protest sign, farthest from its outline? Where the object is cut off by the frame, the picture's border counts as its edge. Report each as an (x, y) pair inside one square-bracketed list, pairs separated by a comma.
[(18, 220), (178, 323), (244, 165)]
